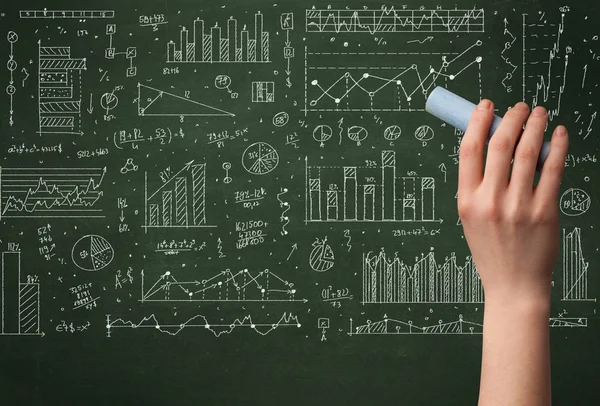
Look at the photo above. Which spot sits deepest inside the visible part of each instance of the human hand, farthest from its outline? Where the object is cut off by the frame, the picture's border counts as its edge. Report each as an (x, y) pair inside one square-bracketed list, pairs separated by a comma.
[(511, 225)]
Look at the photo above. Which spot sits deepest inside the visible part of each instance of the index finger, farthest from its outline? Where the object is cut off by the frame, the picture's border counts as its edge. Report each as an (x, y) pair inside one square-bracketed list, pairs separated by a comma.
[(470, 163)]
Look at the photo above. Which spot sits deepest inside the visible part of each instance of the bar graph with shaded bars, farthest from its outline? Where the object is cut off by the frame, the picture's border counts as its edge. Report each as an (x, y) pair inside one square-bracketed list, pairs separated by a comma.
[(575, 268), (20, 301), (180, 202), (59, 95), (215, 45), (368, 193), (390, 279)]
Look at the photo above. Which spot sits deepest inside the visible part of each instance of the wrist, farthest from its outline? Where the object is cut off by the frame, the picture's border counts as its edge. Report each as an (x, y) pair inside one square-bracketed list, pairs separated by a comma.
[(530, 305)]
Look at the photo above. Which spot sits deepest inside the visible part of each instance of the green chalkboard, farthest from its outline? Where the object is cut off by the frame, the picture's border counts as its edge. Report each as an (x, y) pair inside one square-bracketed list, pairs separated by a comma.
[(226, 202)]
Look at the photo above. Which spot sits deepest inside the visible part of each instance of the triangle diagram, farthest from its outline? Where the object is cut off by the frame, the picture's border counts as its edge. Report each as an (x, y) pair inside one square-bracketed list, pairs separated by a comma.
[(156, 102)]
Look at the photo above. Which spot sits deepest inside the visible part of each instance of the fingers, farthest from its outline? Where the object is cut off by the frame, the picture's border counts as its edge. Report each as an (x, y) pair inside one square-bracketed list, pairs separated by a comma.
[(548, 187), (502, 146), (470, 164), (528, 151)]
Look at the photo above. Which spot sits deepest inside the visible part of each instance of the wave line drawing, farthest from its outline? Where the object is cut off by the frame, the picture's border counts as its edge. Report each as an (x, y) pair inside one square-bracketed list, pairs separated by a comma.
[(200, 321)]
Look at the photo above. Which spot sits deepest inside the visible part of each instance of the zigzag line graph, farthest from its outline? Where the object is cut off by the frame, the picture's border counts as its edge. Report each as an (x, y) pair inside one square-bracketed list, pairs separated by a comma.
[(388, 20), (50, 192), (225, 286), (543, 64), (338, 84), (200, 321)]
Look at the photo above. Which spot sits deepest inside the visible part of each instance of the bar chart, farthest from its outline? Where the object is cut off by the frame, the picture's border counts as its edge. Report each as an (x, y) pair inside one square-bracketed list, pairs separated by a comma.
[(20, 301), (180, 202), (389, 279), (216, 45), (368, 194), (575, 267)]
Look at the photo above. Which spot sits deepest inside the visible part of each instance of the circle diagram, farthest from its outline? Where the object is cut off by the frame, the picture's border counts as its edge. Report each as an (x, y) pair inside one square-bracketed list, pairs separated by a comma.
[(575, 202), (109, 101), (321, 257), (424, 133), (281, 119), (322, 133), (92, 253), (12, 37), (392, 133), (357, 134), (260, 158), (222, 81)]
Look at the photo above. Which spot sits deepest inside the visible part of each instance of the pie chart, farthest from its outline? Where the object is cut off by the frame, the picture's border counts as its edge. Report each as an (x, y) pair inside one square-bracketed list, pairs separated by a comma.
[(575, 202), (92, 253), (260, 158)]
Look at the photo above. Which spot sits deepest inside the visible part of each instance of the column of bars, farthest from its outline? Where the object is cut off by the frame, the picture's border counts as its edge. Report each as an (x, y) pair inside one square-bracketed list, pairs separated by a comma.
[(378, 199), (163, 214), (213, 48), (390, 280), (575, 268), (20, 301), (59, 99)]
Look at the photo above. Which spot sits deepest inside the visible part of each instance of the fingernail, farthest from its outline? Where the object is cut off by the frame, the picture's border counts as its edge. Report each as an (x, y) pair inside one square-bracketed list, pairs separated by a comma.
[(539, 111), (560, 130), (484, 105), (522, 106)]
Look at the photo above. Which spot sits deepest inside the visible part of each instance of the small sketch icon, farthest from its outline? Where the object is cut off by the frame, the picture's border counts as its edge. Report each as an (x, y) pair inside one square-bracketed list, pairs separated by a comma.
[(227, 166), (263, 92), (424, 133), (287, 21), (392, 133), (323, 324), (357, 134), (321, 257)]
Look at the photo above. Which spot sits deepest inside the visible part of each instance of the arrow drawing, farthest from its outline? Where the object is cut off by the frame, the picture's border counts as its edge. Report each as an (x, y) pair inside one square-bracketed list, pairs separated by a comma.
[(26, 76), (294, 248), (91, 108)]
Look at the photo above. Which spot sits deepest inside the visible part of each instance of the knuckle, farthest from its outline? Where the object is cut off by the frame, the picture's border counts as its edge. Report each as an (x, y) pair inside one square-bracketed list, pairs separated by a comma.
[(527, 153), (554, 168), (491, 211), (469, 148), (516, 215), (499, 144), (465, 208)]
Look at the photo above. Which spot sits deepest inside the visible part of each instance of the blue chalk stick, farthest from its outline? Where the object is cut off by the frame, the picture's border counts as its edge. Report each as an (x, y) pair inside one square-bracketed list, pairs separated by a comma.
[(457, 111)]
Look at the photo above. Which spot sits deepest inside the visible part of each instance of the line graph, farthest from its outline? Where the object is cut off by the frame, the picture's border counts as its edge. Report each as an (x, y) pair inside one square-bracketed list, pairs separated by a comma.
[(347, 81), (390, 20), (200, 321), (225, 286), (545, 68), (50, 192)]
